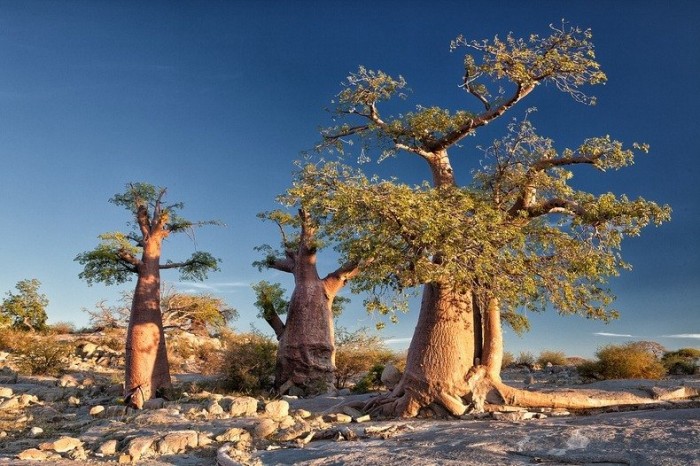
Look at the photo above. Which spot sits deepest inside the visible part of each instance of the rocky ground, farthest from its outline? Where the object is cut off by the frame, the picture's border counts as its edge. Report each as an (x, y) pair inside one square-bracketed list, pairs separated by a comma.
[(77, 419)]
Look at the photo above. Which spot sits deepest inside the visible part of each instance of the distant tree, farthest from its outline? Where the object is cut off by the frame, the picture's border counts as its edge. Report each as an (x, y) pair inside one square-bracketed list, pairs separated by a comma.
[(197, 313), (120, 256), (306, 353), (25, 310)]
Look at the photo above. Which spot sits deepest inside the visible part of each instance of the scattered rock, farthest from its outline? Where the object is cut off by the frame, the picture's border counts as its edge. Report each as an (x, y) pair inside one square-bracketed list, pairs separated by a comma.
[(390, 376), (177, 442), (154, 403), (277, 409), (139, 447), (243, 406), (5, 392), (74, 401), (34, 454), (97, 410), (34, 431), (108, 448), (264, 428), (234, 434)]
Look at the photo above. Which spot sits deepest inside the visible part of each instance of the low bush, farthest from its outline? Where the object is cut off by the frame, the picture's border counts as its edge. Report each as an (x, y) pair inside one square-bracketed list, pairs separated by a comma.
[(508, 359), (556, 358), (525, 358), (42, 355), (357, 353), (629, 361), (681, 362), (249, 362)]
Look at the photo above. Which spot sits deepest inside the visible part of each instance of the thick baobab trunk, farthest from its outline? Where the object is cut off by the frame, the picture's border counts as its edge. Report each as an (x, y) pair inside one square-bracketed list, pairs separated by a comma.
[(306, 352), (147, 368), (439, 358)]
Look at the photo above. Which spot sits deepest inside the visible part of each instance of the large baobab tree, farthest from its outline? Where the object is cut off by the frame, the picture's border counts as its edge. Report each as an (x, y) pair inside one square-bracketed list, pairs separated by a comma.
[(120, 256), (518, 236), (306, 352)]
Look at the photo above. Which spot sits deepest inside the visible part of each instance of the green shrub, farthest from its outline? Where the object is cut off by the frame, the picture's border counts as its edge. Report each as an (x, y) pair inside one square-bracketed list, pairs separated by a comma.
[(556, 358), (681, 361), (371, 381), (249, 362), (629, 361)]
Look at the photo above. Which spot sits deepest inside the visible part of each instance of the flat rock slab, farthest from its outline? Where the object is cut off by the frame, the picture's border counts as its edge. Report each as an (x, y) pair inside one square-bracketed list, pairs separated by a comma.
[(640, 438)]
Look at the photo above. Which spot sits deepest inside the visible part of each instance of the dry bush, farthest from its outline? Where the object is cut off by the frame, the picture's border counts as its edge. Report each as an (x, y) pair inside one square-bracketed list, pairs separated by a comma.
[(629, 361), (525, 358), (508, 359), (556, 358), (357, 353), (249, 362), (188, 352), (61, 328), (42, 355)]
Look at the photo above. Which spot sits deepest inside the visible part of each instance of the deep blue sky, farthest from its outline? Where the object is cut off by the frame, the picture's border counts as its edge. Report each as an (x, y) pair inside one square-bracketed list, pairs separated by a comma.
[(216, 99)]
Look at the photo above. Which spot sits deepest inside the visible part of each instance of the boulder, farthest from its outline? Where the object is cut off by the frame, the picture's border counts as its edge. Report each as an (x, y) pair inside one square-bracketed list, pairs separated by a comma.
[(34, 454), (264, 428), (177, 442), (140, 447), (391, 376), (5, 392), (234, 434), (108, 448), (277, 409), (243, 406)]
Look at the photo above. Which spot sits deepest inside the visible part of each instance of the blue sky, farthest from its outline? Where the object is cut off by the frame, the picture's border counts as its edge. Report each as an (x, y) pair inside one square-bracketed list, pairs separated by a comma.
[(216, 99)]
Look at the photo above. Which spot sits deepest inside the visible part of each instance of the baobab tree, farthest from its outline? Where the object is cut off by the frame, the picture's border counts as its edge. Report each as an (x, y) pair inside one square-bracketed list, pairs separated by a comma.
[(306, 351), (519, 235), (120, 256)]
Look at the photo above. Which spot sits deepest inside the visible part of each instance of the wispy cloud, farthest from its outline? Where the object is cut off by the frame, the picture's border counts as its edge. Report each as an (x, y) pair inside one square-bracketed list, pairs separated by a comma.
[(605, 334), (221, 287), (695, 336), (395, 341)]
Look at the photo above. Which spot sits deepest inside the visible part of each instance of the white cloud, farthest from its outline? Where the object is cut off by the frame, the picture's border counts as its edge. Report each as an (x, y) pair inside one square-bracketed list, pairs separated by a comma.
[(604, 334), (220, 287), (396, 341), (695, 336)]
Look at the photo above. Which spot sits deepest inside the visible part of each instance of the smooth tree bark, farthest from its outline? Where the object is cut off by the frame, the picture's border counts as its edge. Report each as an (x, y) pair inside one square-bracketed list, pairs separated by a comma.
[(119, 257), (306, 351)]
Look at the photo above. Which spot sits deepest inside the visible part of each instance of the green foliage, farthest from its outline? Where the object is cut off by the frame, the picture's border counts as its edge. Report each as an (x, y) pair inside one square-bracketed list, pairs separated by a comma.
[(628, 361), (556, 358), (371, 381), (249, 362), (270, 299), (117, 257), (356, 353), (26, 309), (682, 361), (197, 313)]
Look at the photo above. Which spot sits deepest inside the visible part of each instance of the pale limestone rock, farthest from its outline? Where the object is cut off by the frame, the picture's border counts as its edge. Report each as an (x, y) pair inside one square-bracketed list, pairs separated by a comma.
[(204, 439), (5, 392), (390, 376), (34, 454), (215, 408), (9, 404), (140, 447), (177, 442), (108, 448), (65, 444), (97, 410), (234, 434), (277, 409), (74, 401), (243, 406), (264, 428), (34, 431), (286, 421), (26, 399), (154, 403)]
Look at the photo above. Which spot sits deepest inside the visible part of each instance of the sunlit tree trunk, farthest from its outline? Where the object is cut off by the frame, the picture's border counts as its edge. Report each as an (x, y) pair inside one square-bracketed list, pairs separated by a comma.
[(147, 368)]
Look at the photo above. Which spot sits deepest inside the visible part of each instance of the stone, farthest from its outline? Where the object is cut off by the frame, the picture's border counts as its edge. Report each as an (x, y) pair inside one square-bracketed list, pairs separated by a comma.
[(68, 380), (97, 410), (337, 418), (352, 412), (154, 403), (34, 454), (243, 406), (511, 416), (87, 349), (234, 434), (5, 392), (292, 432), (277, 409), (108, 448), (74, 401), (204, 439), (124, 459), (9, 404), (264, 428), (139, 447), (390, 376), (344, 392), (26, 399), (302, 413), (177, 442), (365, 418), (215, 408), (65, 444), (34, 431)]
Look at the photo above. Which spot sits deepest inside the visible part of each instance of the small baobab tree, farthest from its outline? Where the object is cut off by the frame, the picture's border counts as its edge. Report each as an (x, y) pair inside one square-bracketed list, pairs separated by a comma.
[(120, 256)]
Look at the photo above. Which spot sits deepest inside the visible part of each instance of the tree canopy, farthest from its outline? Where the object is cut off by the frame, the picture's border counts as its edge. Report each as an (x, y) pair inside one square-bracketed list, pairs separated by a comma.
[(116, 258), (26, 309)]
